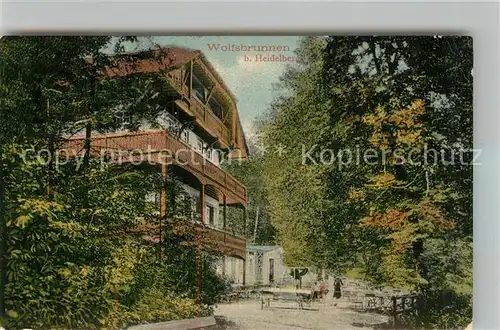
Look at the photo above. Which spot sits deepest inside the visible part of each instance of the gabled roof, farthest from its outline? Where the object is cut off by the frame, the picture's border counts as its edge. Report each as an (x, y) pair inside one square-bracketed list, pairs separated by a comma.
[(155, 60), (169, 56), (217, 75), (242, 132), (152, 60)]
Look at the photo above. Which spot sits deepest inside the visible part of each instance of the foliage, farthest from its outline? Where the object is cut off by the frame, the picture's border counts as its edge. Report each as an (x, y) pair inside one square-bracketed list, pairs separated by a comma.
[(76, 257), (296, 204), (258, 229), (70, 264), (154, 306), (358, 187)]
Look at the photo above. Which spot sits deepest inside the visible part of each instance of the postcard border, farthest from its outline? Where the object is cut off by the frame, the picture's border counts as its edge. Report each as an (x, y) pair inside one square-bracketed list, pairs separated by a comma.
[(479, 20)]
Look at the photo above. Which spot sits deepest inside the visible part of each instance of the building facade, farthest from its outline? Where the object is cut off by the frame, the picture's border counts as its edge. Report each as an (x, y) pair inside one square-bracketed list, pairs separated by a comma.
[(265, 266), (196, 129)]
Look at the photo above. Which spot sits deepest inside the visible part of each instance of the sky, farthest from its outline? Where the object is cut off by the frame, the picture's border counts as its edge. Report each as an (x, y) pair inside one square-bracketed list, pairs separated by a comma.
[(249, 79)]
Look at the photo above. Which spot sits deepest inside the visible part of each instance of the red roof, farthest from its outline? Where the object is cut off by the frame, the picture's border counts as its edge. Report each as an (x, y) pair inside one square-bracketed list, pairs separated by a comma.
[(152, 60)]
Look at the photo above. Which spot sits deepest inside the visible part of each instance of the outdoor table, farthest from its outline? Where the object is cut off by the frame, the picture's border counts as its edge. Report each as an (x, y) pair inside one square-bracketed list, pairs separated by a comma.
[(381, 301)]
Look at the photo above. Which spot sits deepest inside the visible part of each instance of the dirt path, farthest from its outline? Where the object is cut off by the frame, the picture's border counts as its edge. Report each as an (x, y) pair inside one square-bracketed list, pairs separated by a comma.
[(248, 315)]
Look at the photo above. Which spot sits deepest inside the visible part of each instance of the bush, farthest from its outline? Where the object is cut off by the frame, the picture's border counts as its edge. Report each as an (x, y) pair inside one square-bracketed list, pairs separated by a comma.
[(154, 306), (446, 309), (67, 262)]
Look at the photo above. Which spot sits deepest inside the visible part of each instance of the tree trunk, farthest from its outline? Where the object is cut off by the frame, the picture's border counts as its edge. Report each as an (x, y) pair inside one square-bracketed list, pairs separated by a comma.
[(50, 166), (88, 140), (87, 145), (88, 126)]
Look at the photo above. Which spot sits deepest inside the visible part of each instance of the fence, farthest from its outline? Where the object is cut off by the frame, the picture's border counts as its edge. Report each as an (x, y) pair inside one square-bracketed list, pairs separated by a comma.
[(404, 305)]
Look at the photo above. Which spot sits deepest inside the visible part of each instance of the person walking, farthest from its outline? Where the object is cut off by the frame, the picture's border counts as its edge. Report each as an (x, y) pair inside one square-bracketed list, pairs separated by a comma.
[(336, 288), (322, 290), (314, 290)]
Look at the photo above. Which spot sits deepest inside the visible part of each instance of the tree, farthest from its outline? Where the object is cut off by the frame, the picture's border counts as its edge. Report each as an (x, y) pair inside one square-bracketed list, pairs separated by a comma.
[(413, 99), (68, 231), (249, 172), (40, 100), (335, 207), (295, 192)]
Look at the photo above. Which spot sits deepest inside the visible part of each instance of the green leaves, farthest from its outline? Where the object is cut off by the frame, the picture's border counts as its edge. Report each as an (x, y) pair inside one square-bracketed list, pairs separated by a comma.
[(72, 230), (12, 314), (379, 94), (21, 221)]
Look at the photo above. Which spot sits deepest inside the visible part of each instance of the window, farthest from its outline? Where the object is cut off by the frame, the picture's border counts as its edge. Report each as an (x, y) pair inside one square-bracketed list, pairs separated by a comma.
[(169, 122), (210, 215), (271, 270), (215, 107), (199, 145), (122, 119), (185, 136), (198, 89), (233, 269), (216, 156), (208, 153), (196, 208)]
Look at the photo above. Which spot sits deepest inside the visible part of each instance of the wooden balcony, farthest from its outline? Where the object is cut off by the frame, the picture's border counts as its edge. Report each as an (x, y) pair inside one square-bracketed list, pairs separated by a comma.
[(204, 116), (211, 239), (223, 242), (160, 147)]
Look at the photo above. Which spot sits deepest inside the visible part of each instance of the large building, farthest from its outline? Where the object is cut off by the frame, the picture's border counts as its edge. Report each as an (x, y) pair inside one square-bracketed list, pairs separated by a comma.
[(199, 125)]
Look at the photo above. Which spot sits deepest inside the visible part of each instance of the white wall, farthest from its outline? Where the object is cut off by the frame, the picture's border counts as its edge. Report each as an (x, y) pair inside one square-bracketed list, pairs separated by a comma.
[(220, 265), (280, 271), (233, 268)]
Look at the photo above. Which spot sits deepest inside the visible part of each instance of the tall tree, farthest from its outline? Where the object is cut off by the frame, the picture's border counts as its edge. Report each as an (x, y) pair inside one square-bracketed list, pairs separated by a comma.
[(297, 193), (259, 229), (346, 193)]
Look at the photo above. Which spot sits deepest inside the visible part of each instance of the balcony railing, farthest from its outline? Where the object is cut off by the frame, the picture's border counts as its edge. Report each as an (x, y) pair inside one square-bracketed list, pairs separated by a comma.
[(159, 147), (210, 238), (223, 242)]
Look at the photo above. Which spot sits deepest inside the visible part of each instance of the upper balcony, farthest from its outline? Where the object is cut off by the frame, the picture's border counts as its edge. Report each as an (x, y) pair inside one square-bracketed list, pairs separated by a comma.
[(197, 89)]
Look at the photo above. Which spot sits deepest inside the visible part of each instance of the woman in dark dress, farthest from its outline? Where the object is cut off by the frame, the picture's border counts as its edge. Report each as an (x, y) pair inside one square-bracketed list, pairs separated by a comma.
[(336, 288)]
